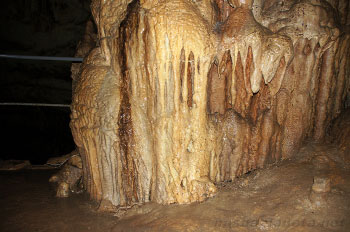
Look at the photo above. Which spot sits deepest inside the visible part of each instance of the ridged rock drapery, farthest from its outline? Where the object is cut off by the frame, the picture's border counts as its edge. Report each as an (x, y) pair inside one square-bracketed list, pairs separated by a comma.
[(179, 95)]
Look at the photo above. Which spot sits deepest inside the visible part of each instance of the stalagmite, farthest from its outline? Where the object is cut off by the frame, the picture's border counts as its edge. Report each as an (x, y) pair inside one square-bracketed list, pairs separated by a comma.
[(179, 95)]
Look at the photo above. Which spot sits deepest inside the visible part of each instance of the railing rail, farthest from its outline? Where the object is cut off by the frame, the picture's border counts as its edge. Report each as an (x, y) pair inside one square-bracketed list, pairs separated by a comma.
[(33, 104), (53, 58)]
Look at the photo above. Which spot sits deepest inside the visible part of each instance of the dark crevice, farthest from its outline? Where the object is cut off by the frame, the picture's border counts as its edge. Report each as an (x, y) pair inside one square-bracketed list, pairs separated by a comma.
[(182, 71), (125, 131), (190, 79)]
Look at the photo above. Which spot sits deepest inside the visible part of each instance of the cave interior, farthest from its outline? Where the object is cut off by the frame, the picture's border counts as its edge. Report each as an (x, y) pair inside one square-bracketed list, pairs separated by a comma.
[(184, 115)]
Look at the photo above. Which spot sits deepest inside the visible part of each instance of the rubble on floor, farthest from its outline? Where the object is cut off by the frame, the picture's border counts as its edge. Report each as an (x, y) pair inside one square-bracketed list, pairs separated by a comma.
[(69, 178), (13, 165)]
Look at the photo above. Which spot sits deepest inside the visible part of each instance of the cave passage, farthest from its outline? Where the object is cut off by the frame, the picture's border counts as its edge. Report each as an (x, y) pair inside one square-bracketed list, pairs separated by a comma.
[(38, 28)]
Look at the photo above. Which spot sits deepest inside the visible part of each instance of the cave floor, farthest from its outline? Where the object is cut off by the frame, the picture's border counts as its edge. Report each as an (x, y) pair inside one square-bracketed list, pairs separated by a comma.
[(28, 203), (277, 198)]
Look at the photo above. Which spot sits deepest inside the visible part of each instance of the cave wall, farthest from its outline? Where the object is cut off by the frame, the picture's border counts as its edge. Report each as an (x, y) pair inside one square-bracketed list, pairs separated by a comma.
[(179, 95)]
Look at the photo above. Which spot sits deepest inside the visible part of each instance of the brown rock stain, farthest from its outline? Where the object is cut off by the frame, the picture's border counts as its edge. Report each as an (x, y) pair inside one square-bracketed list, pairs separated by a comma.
[(190, 79), (125, 131)]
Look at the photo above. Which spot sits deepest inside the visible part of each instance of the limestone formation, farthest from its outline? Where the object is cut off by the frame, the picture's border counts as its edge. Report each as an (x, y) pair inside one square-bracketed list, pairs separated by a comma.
[(179, 95), (68, 178), (341, 135)]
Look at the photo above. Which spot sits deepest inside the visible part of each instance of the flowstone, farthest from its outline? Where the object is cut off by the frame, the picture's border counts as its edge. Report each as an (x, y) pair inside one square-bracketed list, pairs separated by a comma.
[(179, 95)]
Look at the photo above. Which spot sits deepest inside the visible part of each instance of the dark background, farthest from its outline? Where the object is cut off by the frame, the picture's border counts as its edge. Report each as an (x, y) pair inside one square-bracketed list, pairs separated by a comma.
[(42, 28)]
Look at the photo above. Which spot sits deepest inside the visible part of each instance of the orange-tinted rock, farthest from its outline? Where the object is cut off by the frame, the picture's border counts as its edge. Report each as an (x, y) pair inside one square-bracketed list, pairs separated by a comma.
[(182, 94)]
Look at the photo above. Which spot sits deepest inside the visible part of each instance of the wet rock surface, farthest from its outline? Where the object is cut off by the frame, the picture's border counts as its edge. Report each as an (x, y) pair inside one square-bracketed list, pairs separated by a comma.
[(274, 199), (177, 96), (28, 203)]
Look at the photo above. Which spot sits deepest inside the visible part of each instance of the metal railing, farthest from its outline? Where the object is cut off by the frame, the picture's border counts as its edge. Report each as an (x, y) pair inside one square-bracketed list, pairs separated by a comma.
[(51, 58)]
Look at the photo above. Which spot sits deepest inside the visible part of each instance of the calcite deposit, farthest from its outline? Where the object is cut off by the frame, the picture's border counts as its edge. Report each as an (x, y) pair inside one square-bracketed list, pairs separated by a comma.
[(176, 96), (340, 134), (68, 178)]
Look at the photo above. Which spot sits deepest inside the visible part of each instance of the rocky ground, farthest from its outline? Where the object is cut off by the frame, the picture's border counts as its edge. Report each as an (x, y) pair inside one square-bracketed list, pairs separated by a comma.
[(28, 203), (309, 193), (287, 197)]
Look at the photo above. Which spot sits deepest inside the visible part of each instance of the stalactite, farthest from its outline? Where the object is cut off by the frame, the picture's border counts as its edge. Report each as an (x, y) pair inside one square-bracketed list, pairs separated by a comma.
[(182, 94)]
